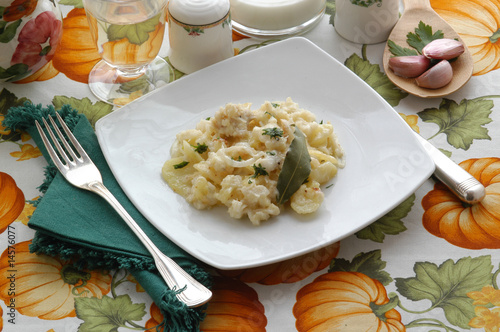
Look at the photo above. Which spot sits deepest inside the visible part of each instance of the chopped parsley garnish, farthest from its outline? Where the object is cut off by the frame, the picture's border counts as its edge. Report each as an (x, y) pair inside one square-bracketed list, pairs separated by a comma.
[(275, 105), (271, 153), (181, 165), (200, 148), (273, 132), (259, 170)]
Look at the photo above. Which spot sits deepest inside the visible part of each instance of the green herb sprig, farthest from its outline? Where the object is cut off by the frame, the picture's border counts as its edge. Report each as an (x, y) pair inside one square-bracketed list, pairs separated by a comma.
[(273, 132), (200, 148), (259, 170), (181, 164)]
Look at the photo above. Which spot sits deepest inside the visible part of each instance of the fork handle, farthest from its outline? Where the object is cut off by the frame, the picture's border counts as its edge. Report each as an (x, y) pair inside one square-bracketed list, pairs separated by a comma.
[(194, 294)]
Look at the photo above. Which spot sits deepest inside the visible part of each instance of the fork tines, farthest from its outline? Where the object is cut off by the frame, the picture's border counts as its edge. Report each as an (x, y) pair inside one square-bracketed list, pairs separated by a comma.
[(63, 152)]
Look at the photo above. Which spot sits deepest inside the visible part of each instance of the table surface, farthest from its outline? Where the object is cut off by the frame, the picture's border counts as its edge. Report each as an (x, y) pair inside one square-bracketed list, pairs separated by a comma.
[(428, 265)]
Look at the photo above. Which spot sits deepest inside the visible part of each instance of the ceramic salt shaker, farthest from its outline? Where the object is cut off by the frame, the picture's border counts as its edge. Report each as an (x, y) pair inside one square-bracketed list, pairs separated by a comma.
[(199, 33), (366, 21)]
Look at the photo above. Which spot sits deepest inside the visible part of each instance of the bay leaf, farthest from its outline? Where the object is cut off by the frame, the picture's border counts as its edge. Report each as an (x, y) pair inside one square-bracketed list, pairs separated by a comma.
[(296, 168)]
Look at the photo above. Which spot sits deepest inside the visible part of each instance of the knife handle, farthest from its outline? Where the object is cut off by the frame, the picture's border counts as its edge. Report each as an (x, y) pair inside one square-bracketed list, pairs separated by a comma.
[(458, 180), (462, 183)]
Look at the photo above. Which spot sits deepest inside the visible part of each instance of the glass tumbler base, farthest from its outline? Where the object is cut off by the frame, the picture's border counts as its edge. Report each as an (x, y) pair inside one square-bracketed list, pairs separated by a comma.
[(118, 88), (279, 33)]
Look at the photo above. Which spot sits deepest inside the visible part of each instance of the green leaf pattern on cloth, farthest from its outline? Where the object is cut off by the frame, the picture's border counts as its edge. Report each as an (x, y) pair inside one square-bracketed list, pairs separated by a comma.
[(446, 286), (106, 313), (370, 264), (330, 10), (371, 74), (391, 223), (73, 3), (135, 33), (8, 100), (462, 123), (93, 112)]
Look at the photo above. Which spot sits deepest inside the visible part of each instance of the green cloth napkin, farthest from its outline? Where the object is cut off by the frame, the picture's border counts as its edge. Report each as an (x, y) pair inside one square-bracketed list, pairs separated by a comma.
[(71, 222)]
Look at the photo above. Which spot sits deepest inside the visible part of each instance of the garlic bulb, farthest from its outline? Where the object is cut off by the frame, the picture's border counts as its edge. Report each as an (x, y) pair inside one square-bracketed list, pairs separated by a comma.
[(437, 76), (409, 66), (443, 49)]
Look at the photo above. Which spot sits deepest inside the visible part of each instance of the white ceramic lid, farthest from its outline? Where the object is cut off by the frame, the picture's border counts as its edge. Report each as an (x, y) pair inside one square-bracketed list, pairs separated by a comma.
[(198, 12)]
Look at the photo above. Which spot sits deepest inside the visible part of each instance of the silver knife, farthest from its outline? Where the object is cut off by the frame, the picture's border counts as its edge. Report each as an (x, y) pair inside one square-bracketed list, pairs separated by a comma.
[(461, 182)]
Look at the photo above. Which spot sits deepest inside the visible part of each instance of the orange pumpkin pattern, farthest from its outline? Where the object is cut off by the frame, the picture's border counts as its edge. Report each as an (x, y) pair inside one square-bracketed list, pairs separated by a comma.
[(122, 52), (477, 22), (288, 271), (156, 318), (468, 226), (342, 302), (3, 129), (233, 304), (27, 212), (76, 54), (238, 36), (46, 287), (11, 201)]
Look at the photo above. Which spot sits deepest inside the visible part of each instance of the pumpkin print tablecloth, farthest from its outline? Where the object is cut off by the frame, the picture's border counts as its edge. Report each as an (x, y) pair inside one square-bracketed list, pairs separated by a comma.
[(431, 264)]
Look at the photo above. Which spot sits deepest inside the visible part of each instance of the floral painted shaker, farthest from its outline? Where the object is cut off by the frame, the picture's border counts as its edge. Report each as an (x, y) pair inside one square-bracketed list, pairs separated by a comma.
[(30, 32), (199, 33)]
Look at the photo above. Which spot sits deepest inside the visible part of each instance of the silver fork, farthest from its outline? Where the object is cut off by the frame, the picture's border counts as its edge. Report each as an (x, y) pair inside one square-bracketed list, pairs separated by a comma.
[(81, 172)]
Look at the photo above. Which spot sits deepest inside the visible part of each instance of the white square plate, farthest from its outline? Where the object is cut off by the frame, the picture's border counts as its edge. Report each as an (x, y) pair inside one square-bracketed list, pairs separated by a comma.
[(384, 162)]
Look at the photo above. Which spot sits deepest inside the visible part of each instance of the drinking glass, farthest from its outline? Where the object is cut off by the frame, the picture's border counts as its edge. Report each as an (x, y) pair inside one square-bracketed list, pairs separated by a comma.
[(128, 35)]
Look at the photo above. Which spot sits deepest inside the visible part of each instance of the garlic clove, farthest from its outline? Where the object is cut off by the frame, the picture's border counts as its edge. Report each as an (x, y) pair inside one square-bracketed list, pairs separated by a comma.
[(409, 66), (443, 49), (437, 76)]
